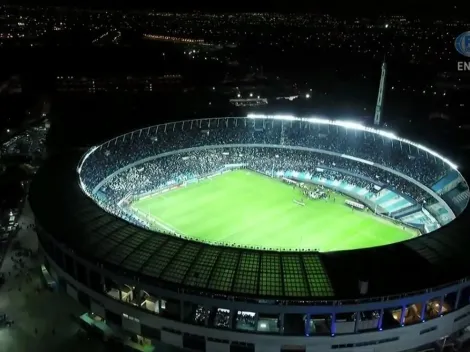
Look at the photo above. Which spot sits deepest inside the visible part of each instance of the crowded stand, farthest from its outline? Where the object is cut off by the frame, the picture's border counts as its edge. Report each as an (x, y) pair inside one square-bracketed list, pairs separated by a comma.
[(138, 145), (178, 168)]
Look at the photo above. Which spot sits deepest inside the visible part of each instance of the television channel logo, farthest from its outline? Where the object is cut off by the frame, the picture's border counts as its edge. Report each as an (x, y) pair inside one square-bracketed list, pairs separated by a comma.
[(462, 45)]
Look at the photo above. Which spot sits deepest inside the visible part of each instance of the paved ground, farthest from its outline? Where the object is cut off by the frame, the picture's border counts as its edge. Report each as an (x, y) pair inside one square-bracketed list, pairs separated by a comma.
[(41, 318)]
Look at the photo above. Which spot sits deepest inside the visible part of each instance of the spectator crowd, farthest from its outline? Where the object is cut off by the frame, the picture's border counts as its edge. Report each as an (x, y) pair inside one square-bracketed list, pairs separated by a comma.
[(181, 167), (177, 152)]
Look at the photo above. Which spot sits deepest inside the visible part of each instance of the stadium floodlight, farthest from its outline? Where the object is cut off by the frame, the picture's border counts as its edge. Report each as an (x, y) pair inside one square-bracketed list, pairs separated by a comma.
[(355, 126), (352, 125), (317, 120), (273, 117), (389, 135)]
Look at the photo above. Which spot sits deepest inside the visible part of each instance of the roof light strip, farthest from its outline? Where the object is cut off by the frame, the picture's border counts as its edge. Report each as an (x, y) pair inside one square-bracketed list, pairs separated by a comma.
[(354, 126)]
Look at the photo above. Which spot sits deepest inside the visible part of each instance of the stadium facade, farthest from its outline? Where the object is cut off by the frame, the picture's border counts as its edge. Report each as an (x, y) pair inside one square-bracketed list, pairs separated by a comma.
[(169, 289)]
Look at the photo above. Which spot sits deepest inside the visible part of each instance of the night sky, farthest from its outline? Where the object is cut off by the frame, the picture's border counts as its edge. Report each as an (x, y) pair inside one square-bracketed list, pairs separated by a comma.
[(413, 7)]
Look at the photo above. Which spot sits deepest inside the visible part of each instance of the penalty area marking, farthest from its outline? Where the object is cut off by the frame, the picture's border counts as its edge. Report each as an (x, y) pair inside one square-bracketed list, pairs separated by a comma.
[(160, 223)]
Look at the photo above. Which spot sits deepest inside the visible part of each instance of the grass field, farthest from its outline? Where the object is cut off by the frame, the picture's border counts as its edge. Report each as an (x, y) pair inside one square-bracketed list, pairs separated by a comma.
[(252, 210)]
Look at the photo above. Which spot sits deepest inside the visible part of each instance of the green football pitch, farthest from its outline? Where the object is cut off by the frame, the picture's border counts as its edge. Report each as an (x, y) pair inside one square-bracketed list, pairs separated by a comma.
[(244, 208)]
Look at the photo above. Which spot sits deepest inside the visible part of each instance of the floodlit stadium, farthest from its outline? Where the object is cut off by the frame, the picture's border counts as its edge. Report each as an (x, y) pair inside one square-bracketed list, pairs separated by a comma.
[(266, 233)]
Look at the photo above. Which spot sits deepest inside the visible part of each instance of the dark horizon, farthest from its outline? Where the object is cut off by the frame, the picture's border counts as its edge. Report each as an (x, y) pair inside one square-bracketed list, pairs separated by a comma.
[(417, 9)]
